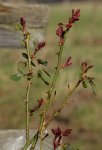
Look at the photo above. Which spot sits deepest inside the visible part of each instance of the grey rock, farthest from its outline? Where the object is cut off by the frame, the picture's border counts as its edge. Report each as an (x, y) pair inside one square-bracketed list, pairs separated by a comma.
[(12, 39), (36, 17), (15, 140)]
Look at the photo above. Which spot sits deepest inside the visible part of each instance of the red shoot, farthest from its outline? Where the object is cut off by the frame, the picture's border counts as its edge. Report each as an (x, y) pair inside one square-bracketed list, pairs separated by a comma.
[(40, 45), (67, 63), (58, 133), (61, 31), (23, 23)]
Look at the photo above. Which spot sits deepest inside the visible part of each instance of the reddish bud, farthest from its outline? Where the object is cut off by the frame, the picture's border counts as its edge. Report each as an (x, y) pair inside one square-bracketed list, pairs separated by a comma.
[(85, 67), (66, 132), (75, 15), (23, 23), (73, 19), (59, 31), (40, 102), (69, 25), (58, 136), (39, 46), (57, 132), (84, 64), (68, 63)]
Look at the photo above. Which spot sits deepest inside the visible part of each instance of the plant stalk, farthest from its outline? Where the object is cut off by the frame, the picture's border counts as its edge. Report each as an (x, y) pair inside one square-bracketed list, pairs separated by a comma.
[(55, 76), (28, 89), (27, 111), (29, 142), (52, 88), (55, 114), (41, 142)]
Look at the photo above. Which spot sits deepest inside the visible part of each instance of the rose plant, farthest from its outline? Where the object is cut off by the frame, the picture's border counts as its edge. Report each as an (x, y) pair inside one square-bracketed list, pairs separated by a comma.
[(30, 62)]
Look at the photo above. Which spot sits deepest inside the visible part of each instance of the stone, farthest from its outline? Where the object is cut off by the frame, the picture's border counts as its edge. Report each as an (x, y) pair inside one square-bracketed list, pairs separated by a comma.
[(15, 139), (10, 13)]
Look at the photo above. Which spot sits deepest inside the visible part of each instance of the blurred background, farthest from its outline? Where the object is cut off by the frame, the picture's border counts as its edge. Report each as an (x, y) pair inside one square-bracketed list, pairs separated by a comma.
[(84, 42)]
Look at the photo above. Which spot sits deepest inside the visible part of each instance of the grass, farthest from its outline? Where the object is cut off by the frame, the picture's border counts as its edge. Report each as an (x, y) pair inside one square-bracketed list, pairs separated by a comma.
[(84, 43)]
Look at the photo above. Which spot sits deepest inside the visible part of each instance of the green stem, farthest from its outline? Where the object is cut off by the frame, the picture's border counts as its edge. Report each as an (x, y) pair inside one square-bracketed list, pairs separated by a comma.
[(41, 142), (56, 72), (28, 90), (28, 53), (53, 116), (52, 87), (55, 76), (34, 141), (51, 90), (29, 142), (27, 111)]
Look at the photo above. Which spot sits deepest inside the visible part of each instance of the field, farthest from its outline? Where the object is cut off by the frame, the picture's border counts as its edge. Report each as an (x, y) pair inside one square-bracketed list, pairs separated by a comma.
[(84, 42)]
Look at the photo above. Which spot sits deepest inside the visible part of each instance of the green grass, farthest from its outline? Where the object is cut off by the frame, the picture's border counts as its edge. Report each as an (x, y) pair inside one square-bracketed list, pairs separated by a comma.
[(84, 43)]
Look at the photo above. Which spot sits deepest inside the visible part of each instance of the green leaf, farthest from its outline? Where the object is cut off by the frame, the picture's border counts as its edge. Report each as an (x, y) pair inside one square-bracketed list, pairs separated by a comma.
[(84, 84), (39, 73), (45, 81), (42, 62), (92, 86), (22, 67), (91, 81), (46, 73), (25, 55), (18, 27), (35, 139), (15, 77), (32, 63)]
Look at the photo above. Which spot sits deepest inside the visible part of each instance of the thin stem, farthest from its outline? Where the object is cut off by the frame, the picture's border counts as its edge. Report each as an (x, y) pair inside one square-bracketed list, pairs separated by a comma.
[(29, 142), (41, 142), (36, 136), (53, 116), (56, 73), (27, 110), (55, 76), (53, 99), (28, 53), (51, 89), (28, 89)]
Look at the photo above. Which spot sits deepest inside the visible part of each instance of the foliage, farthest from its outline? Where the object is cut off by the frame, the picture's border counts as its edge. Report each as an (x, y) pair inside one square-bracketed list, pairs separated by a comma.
[(29, 69)]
